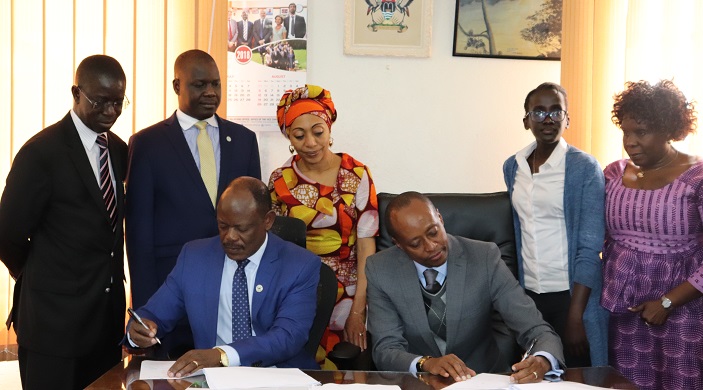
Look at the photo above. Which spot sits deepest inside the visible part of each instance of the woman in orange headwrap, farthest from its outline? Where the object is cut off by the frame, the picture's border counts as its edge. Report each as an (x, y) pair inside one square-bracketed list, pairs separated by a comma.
[(335, 196)]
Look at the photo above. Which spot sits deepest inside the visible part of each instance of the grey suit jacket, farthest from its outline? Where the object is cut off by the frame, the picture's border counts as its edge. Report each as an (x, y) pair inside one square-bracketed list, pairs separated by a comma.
[(477, 281)]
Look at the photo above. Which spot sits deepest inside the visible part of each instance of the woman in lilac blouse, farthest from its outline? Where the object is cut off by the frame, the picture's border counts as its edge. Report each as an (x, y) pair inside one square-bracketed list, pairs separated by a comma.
[(653, 253)]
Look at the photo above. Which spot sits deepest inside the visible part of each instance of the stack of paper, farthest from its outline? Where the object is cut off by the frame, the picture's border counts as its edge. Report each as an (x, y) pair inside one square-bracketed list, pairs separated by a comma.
[(156, 369), (228, 378), (502, 382)]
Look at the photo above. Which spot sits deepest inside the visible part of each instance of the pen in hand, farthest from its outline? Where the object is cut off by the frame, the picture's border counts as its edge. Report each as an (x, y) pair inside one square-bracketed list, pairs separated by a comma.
[(136, 317), (529, 350)]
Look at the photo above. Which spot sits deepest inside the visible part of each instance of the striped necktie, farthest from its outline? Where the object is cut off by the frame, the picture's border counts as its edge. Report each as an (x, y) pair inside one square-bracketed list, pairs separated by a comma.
[(106, 188), (241, 317), (208, 169)]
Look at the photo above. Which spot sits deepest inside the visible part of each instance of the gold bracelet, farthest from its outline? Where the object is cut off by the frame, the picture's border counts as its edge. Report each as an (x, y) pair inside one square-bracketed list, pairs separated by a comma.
[(418, 366), (224, 360), (357, 313)]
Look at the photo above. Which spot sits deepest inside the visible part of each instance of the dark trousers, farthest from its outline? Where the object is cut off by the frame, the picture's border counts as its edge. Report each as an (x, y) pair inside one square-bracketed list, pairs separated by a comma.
[(555, 309), (41, 371)]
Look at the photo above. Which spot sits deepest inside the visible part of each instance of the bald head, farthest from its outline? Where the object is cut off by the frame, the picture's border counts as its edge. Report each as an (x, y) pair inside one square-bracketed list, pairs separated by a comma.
[(399, 202), (97, 66)]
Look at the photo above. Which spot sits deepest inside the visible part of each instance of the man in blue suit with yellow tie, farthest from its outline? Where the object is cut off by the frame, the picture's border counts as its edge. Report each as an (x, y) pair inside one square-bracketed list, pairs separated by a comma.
[(177, 170), (249, 296)]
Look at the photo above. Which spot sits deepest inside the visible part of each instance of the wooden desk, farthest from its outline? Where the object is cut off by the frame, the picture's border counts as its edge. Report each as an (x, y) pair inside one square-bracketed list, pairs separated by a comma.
[(126, 372)]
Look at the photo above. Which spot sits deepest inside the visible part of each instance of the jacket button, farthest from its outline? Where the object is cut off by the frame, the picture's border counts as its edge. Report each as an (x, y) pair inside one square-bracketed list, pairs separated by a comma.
[(107, 290), (112, 254)]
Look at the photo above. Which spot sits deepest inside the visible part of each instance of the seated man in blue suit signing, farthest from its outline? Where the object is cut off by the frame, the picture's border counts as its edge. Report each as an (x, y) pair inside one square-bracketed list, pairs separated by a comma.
[(249, 296), (431, 297)]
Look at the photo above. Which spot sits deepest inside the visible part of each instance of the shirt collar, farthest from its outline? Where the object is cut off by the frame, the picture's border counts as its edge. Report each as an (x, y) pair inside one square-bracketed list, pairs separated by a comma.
[(441, 270), (259, 254), (88, 136), (186, 121), (554, 159)]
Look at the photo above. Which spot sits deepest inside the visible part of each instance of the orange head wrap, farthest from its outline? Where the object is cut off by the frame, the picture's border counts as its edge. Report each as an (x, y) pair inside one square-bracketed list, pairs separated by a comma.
[(309, 99)]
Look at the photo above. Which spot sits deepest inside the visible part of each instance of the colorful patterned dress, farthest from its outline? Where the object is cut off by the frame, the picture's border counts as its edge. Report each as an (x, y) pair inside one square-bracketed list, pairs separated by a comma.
[(654, 242), (335, 217)]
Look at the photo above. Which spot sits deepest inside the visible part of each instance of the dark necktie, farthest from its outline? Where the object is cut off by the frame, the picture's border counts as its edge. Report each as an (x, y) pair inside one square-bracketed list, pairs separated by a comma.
[(106, 188), (241, 317), (432, 286)]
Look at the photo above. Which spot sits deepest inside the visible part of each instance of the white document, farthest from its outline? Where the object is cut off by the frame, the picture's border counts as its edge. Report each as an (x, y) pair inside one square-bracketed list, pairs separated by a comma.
[(228, 378), (483, 382), (357, 386), (555, 386), (502, 382), (157, 369)]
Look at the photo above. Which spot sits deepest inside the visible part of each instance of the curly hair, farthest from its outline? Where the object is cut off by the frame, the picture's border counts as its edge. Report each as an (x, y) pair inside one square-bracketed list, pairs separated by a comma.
[(662, 107)]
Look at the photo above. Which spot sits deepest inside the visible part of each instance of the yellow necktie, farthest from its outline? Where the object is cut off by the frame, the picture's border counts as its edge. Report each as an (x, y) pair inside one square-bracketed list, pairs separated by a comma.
[(208, 169)]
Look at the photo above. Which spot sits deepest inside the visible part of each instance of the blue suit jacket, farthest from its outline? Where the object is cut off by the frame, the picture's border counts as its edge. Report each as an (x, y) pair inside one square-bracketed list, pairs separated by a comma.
[(282, 312), (167, 202)]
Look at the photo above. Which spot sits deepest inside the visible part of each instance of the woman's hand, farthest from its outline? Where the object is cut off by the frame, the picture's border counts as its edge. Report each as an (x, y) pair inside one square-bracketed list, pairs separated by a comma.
[(651, 312), (355, 329)]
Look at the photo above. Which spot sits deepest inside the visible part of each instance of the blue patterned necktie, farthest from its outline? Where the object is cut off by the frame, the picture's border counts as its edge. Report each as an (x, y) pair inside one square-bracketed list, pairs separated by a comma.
[(106, 189), (241, 317)]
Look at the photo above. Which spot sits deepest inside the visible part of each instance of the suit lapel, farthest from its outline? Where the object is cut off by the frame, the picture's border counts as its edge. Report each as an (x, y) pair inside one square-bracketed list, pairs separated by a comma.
[(80, 161), (226, 156), (264, 276), (214, 264), (457, 270), (411, 290), (179, 144)]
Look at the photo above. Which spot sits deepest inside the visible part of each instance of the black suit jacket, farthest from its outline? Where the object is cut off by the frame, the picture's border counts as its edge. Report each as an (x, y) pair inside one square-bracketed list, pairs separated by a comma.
[(300, 28), (56, 238), (250, 33), (261, 32)]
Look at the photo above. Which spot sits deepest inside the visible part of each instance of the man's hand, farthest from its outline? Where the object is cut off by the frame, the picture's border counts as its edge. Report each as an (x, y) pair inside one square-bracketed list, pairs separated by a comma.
[(448, 366), (142, 336), (530, 370), (194, 360)]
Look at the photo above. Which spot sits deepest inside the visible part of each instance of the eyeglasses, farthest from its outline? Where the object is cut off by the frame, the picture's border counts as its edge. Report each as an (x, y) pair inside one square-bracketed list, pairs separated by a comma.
[(540, 116), (101, 105)]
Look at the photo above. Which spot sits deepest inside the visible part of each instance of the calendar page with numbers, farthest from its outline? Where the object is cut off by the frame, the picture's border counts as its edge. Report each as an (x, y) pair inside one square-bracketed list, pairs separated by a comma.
[(267, 55)]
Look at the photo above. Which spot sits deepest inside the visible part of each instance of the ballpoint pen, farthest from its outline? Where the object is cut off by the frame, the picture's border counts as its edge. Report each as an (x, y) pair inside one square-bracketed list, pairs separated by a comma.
[(529, 349), (136, 317)]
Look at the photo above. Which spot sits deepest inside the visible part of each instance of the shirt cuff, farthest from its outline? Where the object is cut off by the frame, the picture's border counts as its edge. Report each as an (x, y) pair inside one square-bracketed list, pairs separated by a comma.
[(232, 355), (413, 366), (131, 343), (555, 371)]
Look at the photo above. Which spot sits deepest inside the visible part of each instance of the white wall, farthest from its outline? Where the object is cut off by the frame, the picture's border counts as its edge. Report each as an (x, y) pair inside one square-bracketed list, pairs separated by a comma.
[(438, 124)]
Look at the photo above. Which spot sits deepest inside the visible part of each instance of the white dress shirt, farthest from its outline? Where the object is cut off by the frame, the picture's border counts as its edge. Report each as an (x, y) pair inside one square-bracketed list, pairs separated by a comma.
[(187, 123), (539, 201), (88, 138), (224, 308)]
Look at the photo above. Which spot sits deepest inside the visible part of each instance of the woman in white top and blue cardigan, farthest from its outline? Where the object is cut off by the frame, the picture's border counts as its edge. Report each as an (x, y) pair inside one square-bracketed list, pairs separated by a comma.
[(557, 194)]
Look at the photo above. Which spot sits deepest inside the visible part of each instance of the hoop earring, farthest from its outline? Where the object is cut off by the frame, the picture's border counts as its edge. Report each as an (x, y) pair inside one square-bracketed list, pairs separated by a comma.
[(291, 149), (331, 141)]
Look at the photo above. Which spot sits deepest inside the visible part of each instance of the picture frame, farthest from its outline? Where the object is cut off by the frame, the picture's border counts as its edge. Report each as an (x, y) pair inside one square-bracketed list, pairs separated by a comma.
[(401, 28), (528, 29)]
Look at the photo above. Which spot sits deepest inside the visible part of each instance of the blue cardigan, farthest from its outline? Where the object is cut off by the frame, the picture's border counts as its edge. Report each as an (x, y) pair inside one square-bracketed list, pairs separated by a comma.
[(584, 212)]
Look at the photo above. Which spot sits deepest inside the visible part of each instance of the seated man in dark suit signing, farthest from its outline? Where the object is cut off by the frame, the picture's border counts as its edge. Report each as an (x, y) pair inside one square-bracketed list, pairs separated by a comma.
[(445, 327), (257, 291)]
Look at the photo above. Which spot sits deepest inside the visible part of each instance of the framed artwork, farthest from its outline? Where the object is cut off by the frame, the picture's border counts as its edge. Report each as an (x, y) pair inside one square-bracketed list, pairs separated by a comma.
[(388, 27), (525, 29)]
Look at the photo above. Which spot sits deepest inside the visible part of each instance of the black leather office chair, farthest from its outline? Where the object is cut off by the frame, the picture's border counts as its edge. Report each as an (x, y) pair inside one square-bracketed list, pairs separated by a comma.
[(294, 230), (484, 217)]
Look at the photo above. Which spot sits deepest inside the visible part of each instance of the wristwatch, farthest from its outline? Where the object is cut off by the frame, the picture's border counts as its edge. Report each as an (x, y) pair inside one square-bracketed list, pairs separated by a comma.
[(418, 365), (666, 302), (224, 360)]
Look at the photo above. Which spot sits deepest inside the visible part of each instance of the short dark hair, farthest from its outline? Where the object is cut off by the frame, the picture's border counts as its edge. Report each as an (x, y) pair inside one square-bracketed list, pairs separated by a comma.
[(188, 57), (399, 202), (662, 107), (258, 190), (544, 87), (99, 65)]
